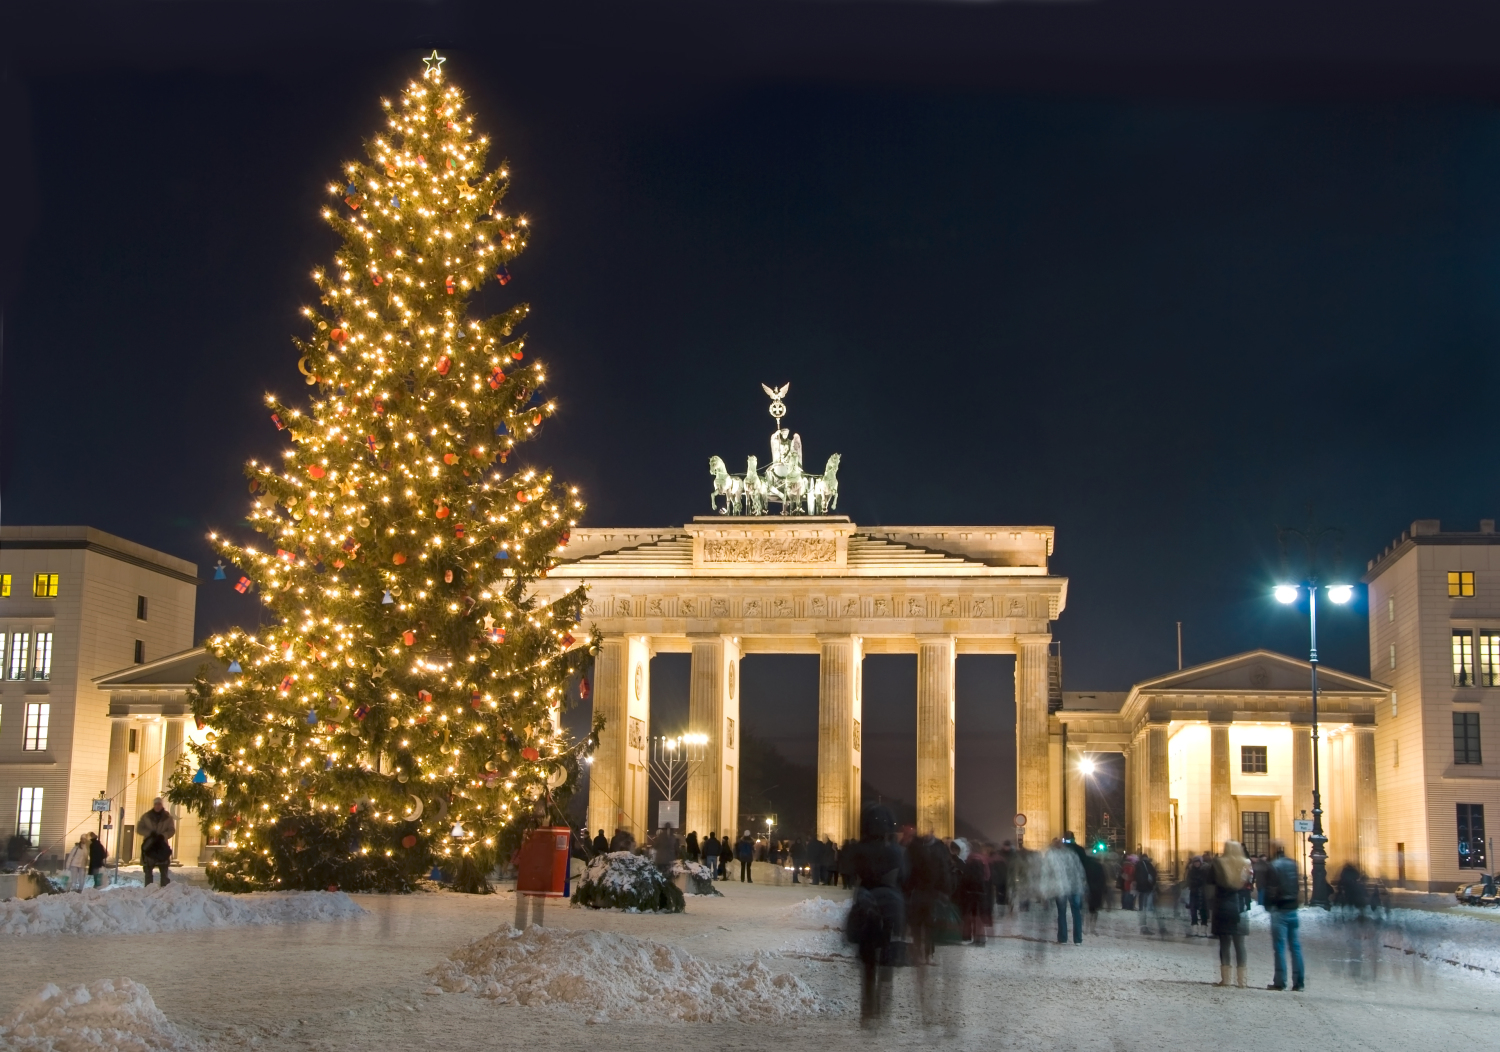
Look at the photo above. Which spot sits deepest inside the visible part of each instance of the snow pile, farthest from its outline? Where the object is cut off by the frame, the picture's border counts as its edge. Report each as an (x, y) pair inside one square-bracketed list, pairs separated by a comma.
[(1451, 938), (621, 880), (176, 907), (819, 913), (117, 1015), (612, 977), (694, 878)]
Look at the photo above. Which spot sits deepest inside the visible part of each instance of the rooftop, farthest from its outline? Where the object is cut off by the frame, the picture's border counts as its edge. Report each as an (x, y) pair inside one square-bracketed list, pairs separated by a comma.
[(1428, 531)]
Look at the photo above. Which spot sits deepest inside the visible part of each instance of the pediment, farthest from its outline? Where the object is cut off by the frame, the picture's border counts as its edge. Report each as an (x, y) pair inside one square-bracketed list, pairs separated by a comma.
[(1265, 671)]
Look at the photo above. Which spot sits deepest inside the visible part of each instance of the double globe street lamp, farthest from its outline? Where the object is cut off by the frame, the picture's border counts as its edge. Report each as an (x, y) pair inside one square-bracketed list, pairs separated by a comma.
[(1338, 594)]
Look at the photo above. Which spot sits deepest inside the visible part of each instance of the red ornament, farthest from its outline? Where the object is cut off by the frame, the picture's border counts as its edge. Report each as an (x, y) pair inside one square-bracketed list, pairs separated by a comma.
[(316, 471), (339, 334), (285, 556), (376, 278), (353, 201), (503, 276), (286, 684), (530, 754), (523, 497), (370, 441), (444, 364), (424, 696), (276, 419), (408, 637), (568, 640), (338, 564), (583, 689), (242, 585), (379, 407), (447, 576), (333, 887), (458, 531), (399, 558), (450, 458), (442, 511), (475, 699), (449, 284), (537, 419), (496, 378), (408, 841), (516, 354)]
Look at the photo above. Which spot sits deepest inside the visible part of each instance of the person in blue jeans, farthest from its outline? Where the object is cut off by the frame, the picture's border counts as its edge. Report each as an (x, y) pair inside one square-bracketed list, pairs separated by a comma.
[(1281, 894), (1065, 874)]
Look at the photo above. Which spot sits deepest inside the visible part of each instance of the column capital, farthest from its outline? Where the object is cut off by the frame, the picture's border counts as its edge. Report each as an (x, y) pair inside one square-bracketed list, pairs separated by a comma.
[(1033, 638), (838, 637), (936, 637)]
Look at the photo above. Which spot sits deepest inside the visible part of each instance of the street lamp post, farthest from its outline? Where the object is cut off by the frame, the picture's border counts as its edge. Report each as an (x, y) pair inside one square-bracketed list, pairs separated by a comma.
[(1339, 594)]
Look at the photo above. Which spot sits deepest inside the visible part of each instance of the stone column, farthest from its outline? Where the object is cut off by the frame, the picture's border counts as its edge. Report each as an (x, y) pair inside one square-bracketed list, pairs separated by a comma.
[(1221, 806), (935, 712), (1032, 795), (838, 756), (1077, 805), (607, 803), (1158, 838), (1366, 808), (116, 778), (1301, 778), (714, 712)]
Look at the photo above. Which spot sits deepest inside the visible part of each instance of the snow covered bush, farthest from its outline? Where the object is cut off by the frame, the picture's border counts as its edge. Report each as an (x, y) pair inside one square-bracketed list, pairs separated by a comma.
[(694, 878), (620, 880)]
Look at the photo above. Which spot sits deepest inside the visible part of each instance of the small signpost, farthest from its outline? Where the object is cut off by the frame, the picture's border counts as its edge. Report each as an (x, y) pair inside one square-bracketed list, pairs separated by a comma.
[(1020, 828), (1302, 825)]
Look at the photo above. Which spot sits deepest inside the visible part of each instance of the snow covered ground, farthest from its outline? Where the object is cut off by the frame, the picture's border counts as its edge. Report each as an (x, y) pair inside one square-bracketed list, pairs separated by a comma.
[(765, 964), (121, 910)]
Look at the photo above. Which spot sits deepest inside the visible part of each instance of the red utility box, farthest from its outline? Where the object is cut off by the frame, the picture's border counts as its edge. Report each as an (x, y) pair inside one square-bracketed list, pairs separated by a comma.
[(542, 868)]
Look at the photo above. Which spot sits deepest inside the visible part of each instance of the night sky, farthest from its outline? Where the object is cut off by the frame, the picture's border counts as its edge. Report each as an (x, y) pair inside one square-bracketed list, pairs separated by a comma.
[(1160, 277)]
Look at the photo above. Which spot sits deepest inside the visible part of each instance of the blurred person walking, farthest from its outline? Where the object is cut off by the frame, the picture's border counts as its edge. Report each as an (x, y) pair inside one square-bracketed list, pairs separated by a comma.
[(1231, 872), (877, 915), (156, 829), (745, 852), (1063, 881), (1147, 885), (1199, 873), (77, 864), (1281, 893)]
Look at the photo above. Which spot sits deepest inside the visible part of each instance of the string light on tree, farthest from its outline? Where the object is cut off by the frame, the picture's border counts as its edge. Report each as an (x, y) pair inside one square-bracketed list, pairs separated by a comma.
[(402, 702)]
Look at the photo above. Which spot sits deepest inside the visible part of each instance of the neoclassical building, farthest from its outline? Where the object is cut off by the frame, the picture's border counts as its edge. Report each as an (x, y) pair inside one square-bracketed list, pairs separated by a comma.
[(1223, 751)]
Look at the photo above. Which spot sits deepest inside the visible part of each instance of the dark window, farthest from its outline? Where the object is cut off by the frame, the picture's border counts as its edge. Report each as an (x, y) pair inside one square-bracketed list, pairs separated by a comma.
[(1252, 759), (134, 742), (140, 608), (1463, 657), (140, 651), (1255, 832), (1466, 738), (1461, 584), (1471, 836)]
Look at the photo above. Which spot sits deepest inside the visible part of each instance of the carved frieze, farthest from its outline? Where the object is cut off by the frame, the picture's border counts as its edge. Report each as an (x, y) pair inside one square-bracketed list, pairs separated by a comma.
[(770, 550), (817, 606), (751, 607), (781, 607), (982, 606)]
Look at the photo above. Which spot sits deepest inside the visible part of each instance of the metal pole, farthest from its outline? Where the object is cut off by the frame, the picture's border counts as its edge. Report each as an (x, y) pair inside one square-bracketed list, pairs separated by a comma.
[(1179, 646), (1319, 855)]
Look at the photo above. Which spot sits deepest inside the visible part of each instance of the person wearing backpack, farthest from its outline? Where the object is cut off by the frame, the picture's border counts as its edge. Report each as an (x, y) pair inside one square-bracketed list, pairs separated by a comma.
[(1281, 903)]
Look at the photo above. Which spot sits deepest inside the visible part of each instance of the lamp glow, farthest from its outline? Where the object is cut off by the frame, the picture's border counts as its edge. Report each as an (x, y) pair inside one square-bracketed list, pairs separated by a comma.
[(1286, 593), (1340, 593), (1086, 766)]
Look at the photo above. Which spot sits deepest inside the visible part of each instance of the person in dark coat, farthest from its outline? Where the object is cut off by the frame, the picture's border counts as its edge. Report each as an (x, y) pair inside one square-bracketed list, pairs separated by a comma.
[(711, 849), (97, 855), (876, 916), (601, 844), (156, 829), (745, 852), (1199, 871), (973, 877), (1232, 874), (692, 846), (799, 858)]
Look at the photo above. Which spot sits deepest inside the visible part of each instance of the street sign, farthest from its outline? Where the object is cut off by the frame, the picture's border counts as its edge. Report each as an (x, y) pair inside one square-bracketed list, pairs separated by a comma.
[(1020, 819), (1302, 825), (668, 813), (99, 805)]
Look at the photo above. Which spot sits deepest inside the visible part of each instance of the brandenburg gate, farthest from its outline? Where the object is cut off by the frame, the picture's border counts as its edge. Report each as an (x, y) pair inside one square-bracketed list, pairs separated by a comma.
[(808, 582)]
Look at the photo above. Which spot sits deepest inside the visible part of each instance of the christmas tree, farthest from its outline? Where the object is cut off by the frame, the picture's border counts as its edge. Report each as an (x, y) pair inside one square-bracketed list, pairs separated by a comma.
[(399, 704)]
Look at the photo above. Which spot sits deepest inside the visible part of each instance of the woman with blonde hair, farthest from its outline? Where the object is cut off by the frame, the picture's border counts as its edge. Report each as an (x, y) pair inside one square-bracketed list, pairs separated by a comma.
[(1231, 876)]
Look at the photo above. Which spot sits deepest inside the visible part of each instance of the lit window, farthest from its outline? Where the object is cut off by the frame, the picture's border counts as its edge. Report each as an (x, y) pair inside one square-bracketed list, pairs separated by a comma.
[(1390, 609), (4, 586), (41, 667), (1470, 836), (1393, 703), (1463, 657), (29, 815), (1252, 759), (1396, 754), (37, 714), (1489, 659), (1466, 738), (44, 586), (1460, 584), (20, 650), (1393, 655)]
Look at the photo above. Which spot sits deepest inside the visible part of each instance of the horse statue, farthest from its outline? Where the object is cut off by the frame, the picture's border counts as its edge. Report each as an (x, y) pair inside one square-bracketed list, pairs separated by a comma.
[(755, 489), (727, 486), (795, 487), (823, 496)]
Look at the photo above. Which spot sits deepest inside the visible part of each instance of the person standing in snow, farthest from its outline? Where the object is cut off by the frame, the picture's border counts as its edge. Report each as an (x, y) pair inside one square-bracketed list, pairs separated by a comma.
[(745, 852), (1231, 876), (1281, 892), (711, 849), (77, 863), (665, 847), (156, 829), (601, 844), (97, 855)]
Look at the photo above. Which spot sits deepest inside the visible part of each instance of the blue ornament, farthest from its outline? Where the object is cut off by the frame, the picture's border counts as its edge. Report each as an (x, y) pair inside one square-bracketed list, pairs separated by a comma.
[(387, 599), (351, 189), (312, 717), (201, 777), (219, 571), (500, 428), (501, 553), (328, 763), (234, 668), (396, 202)]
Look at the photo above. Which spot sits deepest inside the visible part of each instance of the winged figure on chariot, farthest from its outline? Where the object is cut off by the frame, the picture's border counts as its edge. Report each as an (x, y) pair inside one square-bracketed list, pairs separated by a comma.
[(784, 482)]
